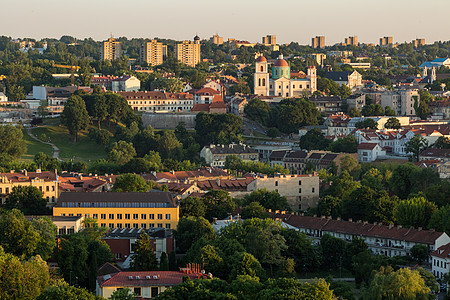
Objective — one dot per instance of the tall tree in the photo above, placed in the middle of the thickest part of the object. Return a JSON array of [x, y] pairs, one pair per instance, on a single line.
[[144, 258], [11, 141], [131, 183], [75, 116], [393, 123], [415, 212], [28, 199], [415, 146], [121, 152]]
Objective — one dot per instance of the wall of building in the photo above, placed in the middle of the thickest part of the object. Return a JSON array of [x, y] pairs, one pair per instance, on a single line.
[[168, 120]]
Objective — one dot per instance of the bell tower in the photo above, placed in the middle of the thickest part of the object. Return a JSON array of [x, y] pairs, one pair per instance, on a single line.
[[312, 76], [261, 77]]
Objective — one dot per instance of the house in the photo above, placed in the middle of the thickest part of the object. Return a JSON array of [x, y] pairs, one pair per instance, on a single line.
[[328, 105], [435, 153], [205, 95], [440, 261], [217, 106], [159, 101], [65, 225], [215, 155], [125, 83], [237, 105], [122, 242], [266, 150], [3, 97], [350, 79], [80, 183], [122, 210], [236, 187], [440, 108], [182, 190], [402, 101], [369, 152], [356, 101], [381, 239], [204, 173], [47, 182], [104, 82], [145, 284]]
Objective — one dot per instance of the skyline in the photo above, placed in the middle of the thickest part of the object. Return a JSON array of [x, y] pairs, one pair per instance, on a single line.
[[402, 19]]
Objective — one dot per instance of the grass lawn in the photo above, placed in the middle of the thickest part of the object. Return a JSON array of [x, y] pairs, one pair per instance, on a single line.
[[34, 147], [84, 150]]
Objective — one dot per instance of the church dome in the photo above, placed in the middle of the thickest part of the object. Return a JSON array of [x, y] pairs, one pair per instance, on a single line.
[[281, 63], [196, 38], [261, 59]]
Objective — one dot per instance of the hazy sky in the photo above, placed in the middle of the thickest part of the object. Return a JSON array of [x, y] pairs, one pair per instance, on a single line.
[[289, 20]]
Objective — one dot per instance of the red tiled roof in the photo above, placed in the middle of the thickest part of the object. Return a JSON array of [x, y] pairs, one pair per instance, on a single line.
[[164, 278], [367, 146], [200, 107], [28, 176], [442, 251], [360, 228], [207, 91]]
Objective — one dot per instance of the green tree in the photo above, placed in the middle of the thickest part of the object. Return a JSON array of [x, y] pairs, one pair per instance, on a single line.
[[169, 146], [440, 220], [42, 110], [121, 152], [163, 262], [388, 111], [253, 210], [100, 109], [270, 200], [27, 199], [415, 211], [190, 229], [346, 144], [123, 294], [258, 111], [420, 253], [273, 132], [393, 123], [333, 251], [144, 258], [367, 123], [172, 261], [349, 163], [314, 139], [401, 284], [75, 116], [354, 112], [218, 204], [192, 206], [306, 255], [47, 231], [442, 143], [415, 146], [246, 264], [11, 141], [63, 291], [131, 183]]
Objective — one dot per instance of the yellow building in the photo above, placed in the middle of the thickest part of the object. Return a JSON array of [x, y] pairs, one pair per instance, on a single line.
[[122, 210], [46, 182], [216, 39], [110, 49], [318, 42], [269, 40], [152, 53], [188, 52]]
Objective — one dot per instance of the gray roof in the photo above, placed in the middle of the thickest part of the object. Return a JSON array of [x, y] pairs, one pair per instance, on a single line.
[[338, 76], [232, 149], [135, 232]]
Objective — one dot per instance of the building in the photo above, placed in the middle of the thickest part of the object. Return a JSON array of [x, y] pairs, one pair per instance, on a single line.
[[105, 82], [437, 63], [215, 155], [318, 42], [351, 40], [46, 182], [110, 49], [440, 108], [350, 79], [327, 105], [217, 106], [152, 53], [237, 105], [435, 153], [386, 41], [418, 43], [319, 58], [216, 39], [145, 284], [205, 95], [440, 261], [369, 152], [155, 101], [281, 84], [301, 191], [122, 242], [357, 101], [122, 210], [269, 40], [381, 239], [188, 52], [3, 97], [125, 83], [401, 101], [64, 225]]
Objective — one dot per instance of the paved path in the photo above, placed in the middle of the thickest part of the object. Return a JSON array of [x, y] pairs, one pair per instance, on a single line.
[[55, 149]]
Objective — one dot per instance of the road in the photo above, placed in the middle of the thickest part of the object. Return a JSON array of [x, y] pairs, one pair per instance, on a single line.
[[55, 149]]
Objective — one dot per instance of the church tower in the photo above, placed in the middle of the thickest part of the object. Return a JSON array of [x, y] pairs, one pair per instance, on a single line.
[[312, 76], [261, 77]]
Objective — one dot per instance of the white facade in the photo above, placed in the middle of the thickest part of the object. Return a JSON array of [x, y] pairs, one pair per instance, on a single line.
[[126, 84], [3, 97], [401, 101], [369, 152], [440, 261]]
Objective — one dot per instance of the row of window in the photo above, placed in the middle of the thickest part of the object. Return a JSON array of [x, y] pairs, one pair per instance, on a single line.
[[136, 225], [159, 102], [47, 189], [126, 216], [117, 204], [439, 263]]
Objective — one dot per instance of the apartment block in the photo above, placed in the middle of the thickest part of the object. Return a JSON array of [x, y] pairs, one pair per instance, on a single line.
[[351, 40], [152, 53], [216, 39], [418, 43], [121, 210], [110, 49], [188, 52], [269, 40], [386, 41], [318, 42], [401, 101]]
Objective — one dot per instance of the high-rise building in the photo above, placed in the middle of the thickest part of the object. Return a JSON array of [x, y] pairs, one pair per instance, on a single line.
[[386, 41], [351, 40], [188, 52], [318, 42], [418, 42], [269, 40], [110, 49], [218, 40], [152, 53]]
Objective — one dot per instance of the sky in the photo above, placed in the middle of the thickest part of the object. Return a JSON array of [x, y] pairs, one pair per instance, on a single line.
[[289, 20]]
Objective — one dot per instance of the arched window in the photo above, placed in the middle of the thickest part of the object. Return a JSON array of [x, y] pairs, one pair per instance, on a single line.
[[264, 82], [262, 68], [259, 82]]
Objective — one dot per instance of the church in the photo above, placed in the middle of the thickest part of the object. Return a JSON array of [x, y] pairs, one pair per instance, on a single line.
[[281, 84]]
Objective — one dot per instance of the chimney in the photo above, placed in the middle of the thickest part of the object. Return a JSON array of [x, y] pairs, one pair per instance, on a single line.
[[12, 171], [277, 211], [283, 212]]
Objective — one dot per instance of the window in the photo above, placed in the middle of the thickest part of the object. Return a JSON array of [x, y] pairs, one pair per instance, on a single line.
[[111, 216], [63, 215], [299, 190], [103, 216], [118, 255], [154, 292], [143, 216], [262, 68], [127, 216], [119, 216], [47, 188], [151, 216], [135, 216], [95, 216], [259, 81], [160, 225], [111, 225], [127, 225], [137, 291], [143, 225], [264, 82], [167, 216], [103, 225], [53, 188], [313, 190], [167, 226], [299, 182], [135, 225], [151, 225], [159, 216], [276, 183]]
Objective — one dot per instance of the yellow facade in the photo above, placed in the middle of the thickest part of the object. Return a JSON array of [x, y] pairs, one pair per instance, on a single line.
[[49, 188], [188, 53], [152, 53], [125, 217], [110, 50]]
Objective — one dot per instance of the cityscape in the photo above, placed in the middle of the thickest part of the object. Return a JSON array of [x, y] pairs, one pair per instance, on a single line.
[[224, 166]]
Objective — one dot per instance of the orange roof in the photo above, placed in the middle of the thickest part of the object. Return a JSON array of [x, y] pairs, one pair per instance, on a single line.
[[281, 63], [261, 59]]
